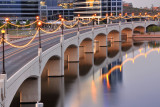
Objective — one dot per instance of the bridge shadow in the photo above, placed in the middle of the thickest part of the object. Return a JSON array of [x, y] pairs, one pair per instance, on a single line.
[[125, 46], [113, 49], [85, 64]]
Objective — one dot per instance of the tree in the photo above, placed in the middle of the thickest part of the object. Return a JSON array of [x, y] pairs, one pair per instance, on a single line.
[[27, 23], [17, 23], [154, 29], [9, 25], [1, 23]]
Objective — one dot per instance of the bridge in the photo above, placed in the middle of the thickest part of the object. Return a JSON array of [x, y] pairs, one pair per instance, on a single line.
[[25, 66]]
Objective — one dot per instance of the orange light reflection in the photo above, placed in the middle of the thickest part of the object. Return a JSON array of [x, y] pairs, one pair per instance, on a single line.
[[94, 91], [128, 59]]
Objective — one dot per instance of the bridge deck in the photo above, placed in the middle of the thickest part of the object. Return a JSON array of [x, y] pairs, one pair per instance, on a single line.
[[17, 58]]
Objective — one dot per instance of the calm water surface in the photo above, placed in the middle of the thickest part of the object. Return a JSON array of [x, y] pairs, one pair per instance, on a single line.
[[128, 77]]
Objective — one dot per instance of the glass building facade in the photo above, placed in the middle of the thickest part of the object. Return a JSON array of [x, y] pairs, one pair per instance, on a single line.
[[19, 9], [86, 8], [51, 3], [51, 9]]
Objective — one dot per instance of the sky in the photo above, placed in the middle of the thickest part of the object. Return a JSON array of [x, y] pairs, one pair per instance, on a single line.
[[144, 3]]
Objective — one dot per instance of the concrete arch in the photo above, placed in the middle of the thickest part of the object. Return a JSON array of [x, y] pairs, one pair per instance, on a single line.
[[139, 29], [53, 66], [125, 33], [114, 35], [29, 90], [84, 36], [152, 23], [71, 54], [101, 39], [111, 28], [86, 45]]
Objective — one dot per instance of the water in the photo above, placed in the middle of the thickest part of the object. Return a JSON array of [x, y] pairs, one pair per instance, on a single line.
[[128, 78]]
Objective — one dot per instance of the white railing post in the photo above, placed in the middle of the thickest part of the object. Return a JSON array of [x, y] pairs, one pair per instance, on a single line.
[[3, 90]]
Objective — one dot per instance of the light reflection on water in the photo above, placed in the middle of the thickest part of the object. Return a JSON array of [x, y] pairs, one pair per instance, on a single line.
[[124, 79]]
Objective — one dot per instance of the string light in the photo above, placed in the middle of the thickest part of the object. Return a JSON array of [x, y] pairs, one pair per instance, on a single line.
[[111, 17], [52, 31], [16, 46], [22, 25]]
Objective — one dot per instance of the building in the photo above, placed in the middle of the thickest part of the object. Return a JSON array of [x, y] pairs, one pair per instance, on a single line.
[[51, 9], [19, 9], [86, 8], [125, 4], [66, 4], [156, 8]]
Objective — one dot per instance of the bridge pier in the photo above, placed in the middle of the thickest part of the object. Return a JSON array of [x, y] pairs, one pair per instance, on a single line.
[[30, 92], [81, 52]]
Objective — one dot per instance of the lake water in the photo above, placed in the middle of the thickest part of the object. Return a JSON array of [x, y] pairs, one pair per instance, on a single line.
[[122, 75]]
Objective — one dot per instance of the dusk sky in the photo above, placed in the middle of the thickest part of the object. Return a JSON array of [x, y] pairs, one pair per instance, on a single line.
[[144, 3]]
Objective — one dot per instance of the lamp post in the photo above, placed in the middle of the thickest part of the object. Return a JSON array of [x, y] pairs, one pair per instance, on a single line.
[[62, 25], [39, 23], [145, 15], [78, 21], [94, 19], [37, 17], [158, 16], [140, 16], [111, 16], [132, 17], [3, 67], [126, 17], [120, 17], [106, 18], [7, 20]]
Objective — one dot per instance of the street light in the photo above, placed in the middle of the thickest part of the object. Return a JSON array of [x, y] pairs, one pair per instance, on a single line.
[[60, 16], [120, 16], [140, 16], [158, 16], [78, 21], [62, 25], [39, 23], [126, 16], [132, 16], [145, 15], [111, 16], [7, 20], [106, 18], [94, 18], [3, 67], [37, 17]]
